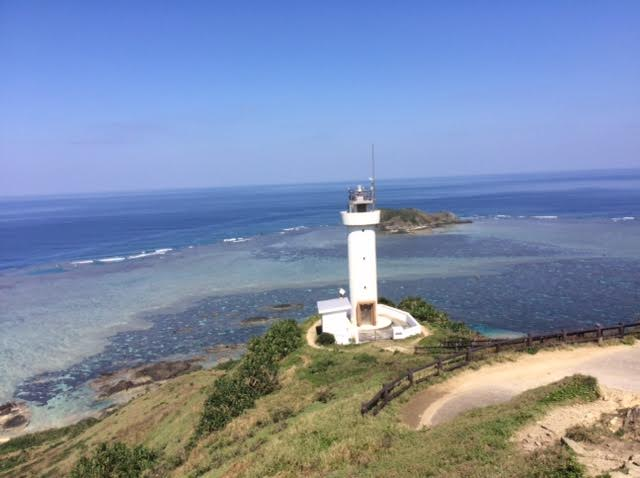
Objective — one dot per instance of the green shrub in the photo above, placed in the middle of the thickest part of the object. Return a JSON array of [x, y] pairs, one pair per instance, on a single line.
[[629, 340], [281, 339], [321, 365], [443, 329], [420, 309], [326, 338], [385, 301], [228, 399], [254, 376], [575, 388], [115, 461], [226, 364]]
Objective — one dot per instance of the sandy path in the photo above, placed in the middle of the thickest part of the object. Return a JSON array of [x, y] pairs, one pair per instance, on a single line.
[[616, 367], [312, 336]]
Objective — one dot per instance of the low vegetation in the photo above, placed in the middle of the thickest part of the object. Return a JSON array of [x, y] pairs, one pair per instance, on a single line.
[[289, 410], [325, 338], [31, 440], [442, 327], [115, 461], [256, 375]]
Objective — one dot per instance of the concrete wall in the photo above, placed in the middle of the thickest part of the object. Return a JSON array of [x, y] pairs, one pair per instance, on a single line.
[[404, 325], [338, 324]]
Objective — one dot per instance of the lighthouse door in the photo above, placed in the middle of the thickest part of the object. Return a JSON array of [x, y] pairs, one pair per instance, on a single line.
[[366, 313]]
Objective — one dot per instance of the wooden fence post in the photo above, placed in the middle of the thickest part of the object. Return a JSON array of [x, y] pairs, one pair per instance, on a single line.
[[439, 367], [621, 329], [600, 334], [529, 339], [363, 409], [564, 335], [385, 394], [498, 348], [468, 355], [410, 377]]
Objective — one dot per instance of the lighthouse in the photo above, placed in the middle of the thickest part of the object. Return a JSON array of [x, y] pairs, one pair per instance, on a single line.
[[361, 220], [359, 318]]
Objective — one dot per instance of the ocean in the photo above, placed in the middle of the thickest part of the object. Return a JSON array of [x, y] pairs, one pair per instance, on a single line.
[[94, 283]]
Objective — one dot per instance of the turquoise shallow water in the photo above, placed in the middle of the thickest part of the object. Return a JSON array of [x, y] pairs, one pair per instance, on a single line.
[[65, 323]]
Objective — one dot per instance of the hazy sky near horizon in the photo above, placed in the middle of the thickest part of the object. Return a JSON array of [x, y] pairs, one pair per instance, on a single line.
[[117, 95]]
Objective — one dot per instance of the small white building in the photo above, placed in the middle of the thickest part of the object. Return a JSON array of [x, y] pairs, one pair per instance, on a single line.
[[335, 318], [360, 318]]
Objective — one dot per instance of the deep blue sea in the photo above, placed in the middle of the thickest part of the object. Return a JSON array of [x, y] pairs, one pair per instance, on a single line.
[[51, 230], [93, 283]]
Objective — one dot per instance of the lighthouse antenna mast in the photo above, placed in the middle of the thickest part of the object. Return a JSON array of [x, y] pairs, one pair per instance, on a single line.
[[373, 176]]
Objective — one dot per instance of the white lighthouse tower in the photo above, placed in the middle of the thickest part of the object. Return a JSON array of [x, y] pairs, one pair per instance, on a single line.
[[361, 220], [360, 318]]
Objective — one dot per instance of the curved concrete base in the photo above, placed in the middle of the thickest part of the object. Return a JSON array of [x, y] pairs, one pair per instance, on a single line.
[[381, 323]]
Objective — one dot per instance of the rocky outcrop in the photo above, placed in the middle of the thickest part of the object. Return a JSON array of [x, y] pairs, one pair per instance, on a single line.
[[257, 320], [403, 221], [284, 307], [132, 380], [14, 416], [166, 370], [631, 423]]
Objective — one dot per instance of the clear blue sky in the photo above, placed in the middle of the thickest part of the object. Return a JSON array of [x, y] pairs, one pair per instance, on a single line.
[[117, 95]]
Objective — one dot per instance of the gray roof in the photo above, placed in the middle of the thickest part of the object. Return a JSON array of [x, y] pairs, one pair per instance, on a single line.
[[341, 304]]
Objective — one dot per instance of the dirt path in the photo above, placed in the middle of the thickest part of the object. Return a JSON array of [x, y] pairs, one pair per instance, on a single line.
[[312, 336], [616, 367]]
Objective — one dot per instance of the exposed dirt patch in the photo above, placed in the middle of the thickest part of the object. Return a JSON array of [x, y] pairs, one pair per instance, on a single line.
[[312, 335], [554, 425], [604, 435]]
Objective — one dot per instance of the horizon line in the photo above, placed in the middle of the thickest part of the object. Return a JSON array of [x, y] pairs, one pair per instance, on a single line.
[[295, 183]]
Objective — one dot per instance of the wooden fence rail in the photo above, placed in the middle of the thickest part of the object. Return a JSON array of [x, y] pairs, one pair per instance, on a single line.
[[391, 390]]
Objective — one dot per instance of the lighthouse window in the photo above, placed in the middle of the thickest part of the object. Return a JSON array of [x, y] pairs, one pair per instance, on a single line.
[[363, 258], [363, 230]]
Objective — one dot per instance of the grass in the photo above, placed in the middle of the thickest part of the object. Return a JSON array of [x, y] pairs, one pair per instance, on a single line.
[[332, 440], [628, 340], [310, 426], [31, 440]]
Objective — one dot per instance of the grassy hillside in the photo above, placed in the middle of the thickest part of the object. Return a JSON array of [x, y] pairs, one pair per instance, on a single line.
[[163, 419], [309, 425]]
